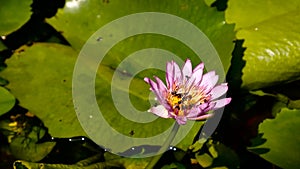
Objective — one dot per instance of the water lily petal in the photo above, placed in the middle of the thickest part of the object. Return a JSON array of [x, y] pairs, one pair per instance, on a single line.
[[147, 79], [195, 78], [194, 112], [210, 106], [177, 73], [221, 103], [161, 86], [199, 66], [203, 117], [153, 85], [209, 80], [161, 111], [162, 90], [219, 91], [170, 75], [154, 88], [181, 120], [203, 106], [187, 69]]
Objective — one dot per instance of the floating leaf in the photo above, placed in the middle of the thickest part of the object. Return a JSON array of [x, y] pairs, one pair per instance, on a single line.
[[80, 19], [218, 155], [30, 151], [47, 70], [209, 2], [20, 164], [40, 77], [272, 39], [174, 165], [13, 14], [282, 139], [26, 147], [205, 160], [7, 100], [241, 13]]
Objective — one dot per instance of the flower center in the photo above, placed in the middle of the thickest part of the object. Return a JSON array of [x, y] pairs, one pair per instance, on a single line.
[[181, 102], [175, 100]]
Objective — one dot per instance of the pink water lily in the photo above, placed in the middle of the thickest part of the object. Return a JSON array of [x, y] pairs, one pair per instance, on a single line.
[[189, 94]]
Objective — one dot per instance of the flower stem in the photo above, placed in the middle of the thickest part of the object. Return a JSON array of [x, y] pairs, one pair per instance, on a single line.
[[164, 147]]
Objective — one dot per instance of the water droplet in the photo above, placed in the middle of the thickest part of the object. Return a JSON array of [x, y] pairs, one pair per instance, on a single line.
[[3, 37], [99, 39], [91, 116]]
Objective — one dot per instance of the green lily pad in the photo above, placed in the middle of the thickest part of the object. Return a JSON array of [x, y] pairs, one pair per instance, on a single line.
[[27, 148], [271, 34], [13, 14], [205, 160], [2, 47], [243, 15], [32, 151], [7, 100], [80, 19], [209, 2], [47, 70], [218, 155], [282, 139], [41, 79]]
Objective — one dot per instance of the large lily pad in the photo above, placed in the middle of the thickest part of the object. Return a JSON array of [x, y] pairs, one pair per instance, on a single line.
[[282, 139], [40, 77], [13, 14], [243, 15], [47, 69], [272, 39], [80, 19], [28, 148], [44, 71], [7, 100]]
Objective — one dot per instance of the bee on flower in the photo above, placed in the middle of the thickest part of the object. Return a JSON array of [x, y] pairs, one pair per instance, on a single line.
[[189, 94]]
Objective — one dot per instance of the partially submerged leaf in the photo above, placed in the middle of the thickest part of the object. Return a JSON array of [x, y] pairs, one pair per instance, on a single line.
[[205, 160], [215, 155], [13, 14], [243, 15], [40, 77], [209, 2], [25, 149], [272, 40], [282, 139], [26, 146], [7, 100]]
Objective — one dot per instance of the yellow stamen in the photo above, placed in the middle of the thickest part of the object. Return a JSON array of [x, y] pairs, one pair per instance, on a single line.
[[185, 101]]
